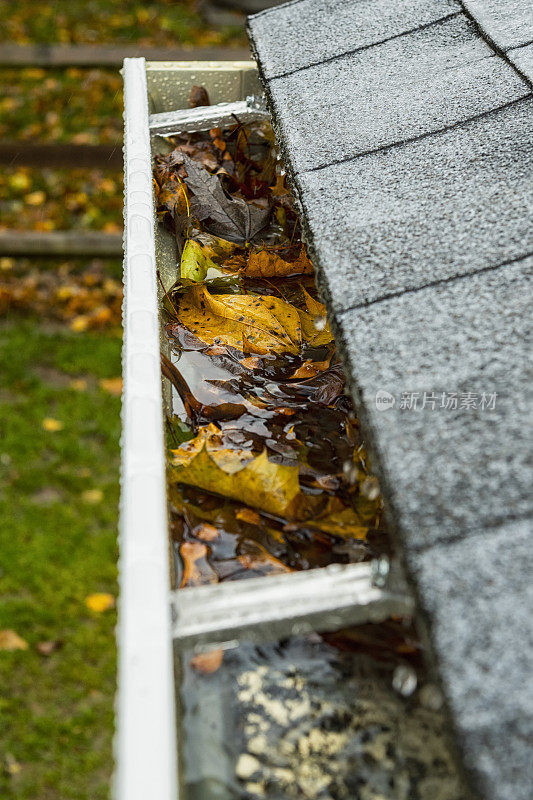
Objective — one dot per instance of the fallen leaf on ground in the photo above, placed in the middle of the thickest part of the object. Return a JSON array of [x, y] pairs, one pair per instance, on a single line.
[[207, 663], [47, 648], [52, 425], [78, 384], [35, 198], [112, 385], [99, 602], [80, 323], [92, 496], [12, 765], [237, 474], [9, 640]]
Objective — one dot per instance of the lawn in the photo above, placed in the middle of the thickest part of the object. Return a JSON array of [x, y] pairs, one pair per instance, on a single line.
[[149, 22], [58, 505]]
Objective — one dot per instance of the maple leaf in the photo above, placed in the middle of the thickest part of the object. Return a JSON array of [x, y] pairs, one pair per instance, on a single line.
[[228, 217], [251, 324], [237, 474]]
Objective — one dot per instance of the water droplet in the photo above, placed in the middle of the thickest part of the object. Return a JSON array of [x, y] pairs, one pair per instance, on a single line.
[[404, 680], [370, 488], [350, 471], [320, 323]]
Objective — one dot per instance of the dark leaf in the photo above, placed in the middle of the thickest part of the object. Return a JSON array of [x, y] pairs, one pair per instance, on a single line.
[[228, 217], [199, 97]]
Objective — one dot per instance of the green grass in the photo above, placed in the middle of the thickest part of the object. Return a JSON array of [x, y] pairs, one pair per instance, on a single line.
[[56, 712], [150, 22], [82, 106]]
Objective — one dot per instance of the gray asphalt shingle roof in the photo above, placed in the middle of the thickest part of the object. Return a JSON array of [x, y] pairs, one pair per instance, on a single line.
[[406, 130]]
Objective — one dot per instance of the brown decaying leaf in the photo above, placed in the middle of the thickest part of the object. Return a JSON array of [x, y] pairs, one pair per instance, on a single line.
[[248, 515], [268, 264], [199, 97], [196, 568]]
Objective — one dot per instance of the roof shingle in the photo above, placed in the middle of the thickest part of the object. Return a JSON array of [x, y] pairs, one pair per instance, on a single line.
[[408, 139]]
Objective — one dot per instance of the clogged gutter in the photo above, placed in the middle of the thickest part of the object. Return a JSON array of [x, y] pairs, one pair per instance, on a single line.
[[268, 473], [267, 469]]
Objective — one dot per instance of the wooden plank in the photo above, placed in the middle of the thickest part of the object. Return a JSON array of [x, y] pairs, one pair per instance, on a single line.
[[30, 154], [60, 243], [88, 55]]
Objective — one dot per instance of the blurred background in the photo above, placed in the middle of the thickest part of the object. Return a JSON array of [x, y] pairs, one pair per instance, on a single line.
[[60, 385]]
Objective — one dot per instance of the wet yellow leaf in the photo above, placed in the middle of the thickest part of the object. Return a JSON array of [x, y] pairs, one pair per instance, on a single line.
[[112, 385], [99, 602], [237, 474], [267, 264], [249, 516], [340, 520], [310, 369], [315, 326], [92, 496], [9, 640], [52, 425], [195, 262], [249, 323]]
